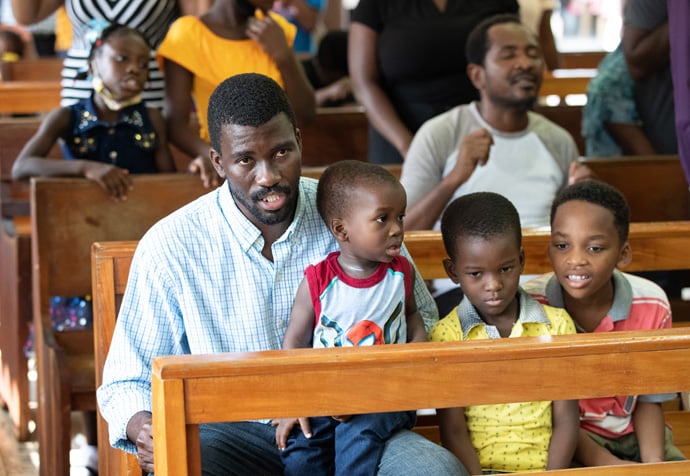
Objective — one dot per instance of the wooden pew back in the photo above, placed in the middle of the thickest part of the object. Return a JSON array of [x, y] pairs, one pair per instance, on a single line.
[[39, 69], [67, 215], [655, 246], [338, 133], [654, 186], [29, 97], [193, 389]]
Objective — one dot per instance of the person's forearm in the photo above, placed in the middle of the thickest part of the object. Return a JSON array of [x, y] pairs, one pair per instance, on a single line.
[[383, 116], [28, 12], [40, 167], [566, 426], [426, 212], [182, 136], [306, 16], [645, 52], [649, 429], [298, 89]]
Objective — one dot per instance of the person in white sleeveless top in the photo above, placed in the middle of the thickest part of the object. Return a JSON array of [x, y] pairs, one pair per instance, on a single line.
[[151, 17]]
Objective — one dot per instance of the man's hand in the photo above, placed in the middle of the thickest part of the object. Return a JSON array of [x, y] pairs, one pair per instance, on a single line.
[[284, 427], [473, 151], [579, 172], [202, 166], [140, 431], [114, 180]]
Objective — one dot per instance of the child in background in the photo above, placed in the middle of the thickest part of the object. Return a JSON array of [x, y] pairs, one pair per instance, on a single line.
[[198, 53], [110, 134], [360, 295], [483, 239], [327, 71], [589, 241]]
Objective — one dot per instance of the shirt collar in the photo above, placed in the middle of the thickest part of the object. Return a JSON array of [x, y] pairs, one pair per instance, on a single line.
[[622, 296], [88, 118], [247, 234], [530, 312]]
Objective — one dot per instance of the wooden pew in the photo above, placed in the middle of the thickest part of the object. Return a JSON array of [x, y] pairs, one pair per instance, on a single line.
[[67, 215], [563, 82], [39, 69], [581, 59], [193, 389], [569, 118], [29, 97], [655, 246], [338, 133], [654, 185]]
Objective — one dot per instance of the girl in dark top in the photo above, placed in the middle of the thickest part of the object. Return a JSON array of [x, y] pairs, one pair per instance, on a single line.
[[407, 64], [111, 133]]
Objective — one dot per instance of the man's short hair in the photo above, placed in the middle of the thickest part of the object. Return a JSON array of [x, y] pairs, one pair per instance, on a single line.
[[477, 44], [479, 215], [598, 193], [249, 99], [340, 182]]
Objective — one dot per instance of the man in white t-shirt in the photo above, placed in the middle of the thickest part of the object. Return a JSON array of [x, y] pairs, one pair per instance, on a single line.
[[496, 144]]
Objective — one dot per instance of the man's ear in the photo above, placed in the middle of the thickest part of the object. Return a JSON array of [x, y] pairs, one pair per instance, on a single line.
[[338, 229], [298, 137], [476, 74], [215, 160], [522, 259], [450, 270], [625, 256]]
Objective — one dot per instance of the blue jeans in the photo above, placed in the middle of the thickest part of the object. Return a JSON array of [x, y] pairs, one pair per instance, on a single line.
[[352, 448], [249, 449]]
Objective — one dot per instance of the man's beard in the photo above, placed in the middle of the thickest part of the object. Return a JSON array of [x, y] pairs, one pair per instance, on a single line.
[[262, 216]]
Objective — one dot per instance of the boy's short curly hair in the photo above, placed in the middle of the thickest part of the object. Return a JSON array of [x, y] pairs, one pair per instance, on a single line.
[[477, 44], [479, 215], [598, 193], [341, 181], [248, 99]]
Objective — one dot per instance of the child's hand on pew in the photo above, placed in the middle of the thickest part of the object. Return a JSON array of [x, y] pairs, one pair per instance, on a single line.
[[284, 427], [114, 180], [203, 166]]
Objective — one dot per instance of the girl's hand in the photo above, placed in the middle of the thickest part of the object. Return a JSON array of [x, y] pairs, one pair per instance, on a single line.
[[203, 166], [271, 37], [114, 180], [284, 427]]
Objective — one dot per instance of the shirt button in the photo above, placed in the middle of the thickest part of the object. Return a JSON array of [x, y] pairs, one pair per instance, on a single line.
[[113, 154], [281, 323], [111, 131]]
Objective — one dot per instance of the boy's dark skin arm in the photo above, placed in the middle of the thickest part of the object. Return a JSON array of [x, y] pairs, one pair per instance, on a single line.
[[566, 426], [32, 159], [455, 437], [648, 418], [413, 319], [631, 138]]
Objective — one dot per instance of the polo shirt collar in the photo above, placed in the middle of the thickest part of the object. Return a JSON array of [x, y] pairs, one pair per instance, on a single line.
[[530, 312], [622, 296]]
